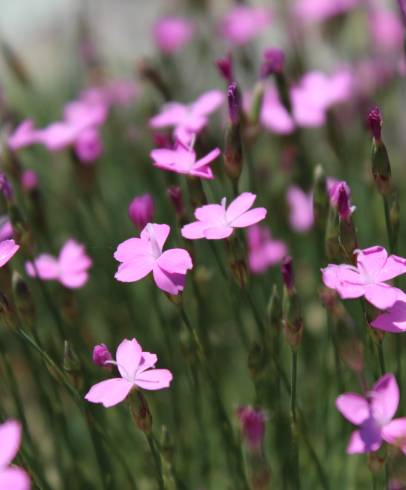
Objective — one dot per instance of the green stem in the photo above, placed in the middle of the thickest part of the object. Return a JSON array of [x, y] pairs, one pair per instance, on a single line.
[[157, 460], [388, 224]]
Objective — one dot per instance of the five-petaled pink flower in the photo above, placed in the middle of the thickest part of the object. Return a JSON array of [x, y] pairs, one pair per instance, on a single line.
[[70, 268], [373, 414], [374, 267], [188, 119], [11, 477], [140, 256], [136, 368], [182, 160], [216, 221], [7, 250], [263, 250]]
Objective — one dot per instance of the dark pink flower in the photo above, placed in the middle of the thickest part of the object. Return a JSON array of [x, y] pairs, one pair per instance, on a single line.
[[141, 210], [101, 354], [252, 424]]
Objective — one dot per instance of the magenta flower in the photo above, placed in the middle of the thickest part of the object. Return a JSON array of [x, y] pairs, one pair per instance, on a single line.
[[70, 268], [373, 414], [367, 279], [263, 251], [340, 197], [8, 248], [171, 34], [11, 477], [216, 221], [88, 145], [141, 210], [252, 426], [320, 10], [101, 355], [243, 23], [394, 319], [182, 160], [137, 370], [140, 256], [387, 31], [188, 120], [301, 217]]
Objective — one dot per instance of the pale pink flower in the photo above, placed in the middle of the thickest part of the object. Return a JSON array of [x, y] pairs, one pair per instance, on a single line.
[[141, 210], [70, 268], [188, 120], [140, 256], [8, 248], [115, 92], [394, 319], [367, 279], [373, 414], [263, 250], [320, 10], [218, 221], [386, 30], [171, 34], [301, 216], [11, 477], [29, 180], [182, 160], [243, 23], [252, 426], [25, 134], [137, 370]]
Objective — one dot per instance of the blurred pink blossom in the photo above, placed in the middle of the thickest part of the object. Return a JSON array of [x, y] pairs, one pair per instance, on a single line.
[[188, 120], [386, 30], [88, 145], [114, 92], [320, 10], [182, 160], [218, 221], [374, 267], [243, 23], [263, 250], [137, 370], [252, 424], [301, 217], [11, 477], [25, 134], [171, 34], [8, 248], [373, 413], [140, 256], [29, 180], [70, 268], [141, 210]]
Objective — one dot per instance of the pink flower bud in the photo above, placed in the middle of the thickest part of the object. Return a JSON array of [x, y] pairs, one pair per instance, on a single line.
[[101, 354], [88, 146], [287, 272], [225, 68], [274, 62], [252, 424], [5, 187], [234, 102], [29, 180], [375, 122], [176, 197], [343, 203], [141, 210], [402, 10]]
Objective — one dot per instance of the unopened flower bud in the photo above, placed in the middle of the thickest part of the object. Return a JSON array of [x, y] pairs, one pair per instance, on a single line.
[[320, 199], [141, 210], [225, 68], [29, 180], [252, 423], [234, 103], [101, 354], [5, 187], [176, 197], [287, 273], [343, 203], [274, 62], [375, 122], [140, 411]]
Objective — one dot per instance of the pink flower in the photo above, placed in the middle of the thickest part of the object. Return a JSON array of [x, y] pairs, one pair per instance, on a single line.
[[140, 256], [137, 370], [141, 210], [263, 251], [101, 355], [301, 217], [386, 30], [340, 197], [188, 120], [216, 221], [243, 23], [394, 319], [115, 92], [11, 477], [29, 180], [320, 10], [24, 135], [171, 34], [367, 279], [373, 414], [70, 268], [6, 228], [252, 426], [88, 145], [182, 160], [8, 248]]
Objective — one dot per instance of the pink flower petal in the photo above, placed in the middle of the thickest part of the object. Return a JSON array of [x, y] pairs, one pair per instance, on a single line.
[[148, 360], [393, 267], [160, 233], [10, 440], [381, 295], [73, 257], [394, 320], [194, 231], [211, 213], [384, 398], [8, 248], [240, 205], [218, 233], [14, 479], [132, 248], [208, 102], [74, 280], [372, 259], [109, 392], [170, 115], [207, 159], [171, 283], [175, 260], [395, 433], [355, 445], [353, 407], [128, 357], [135, 269], [154, 379], [249, 218], [46, 266]]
